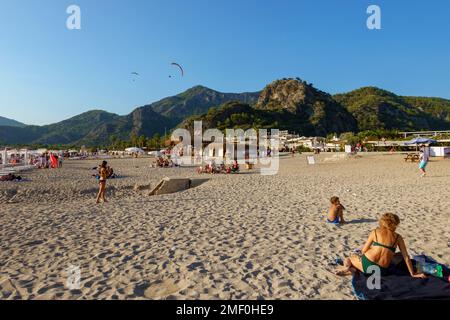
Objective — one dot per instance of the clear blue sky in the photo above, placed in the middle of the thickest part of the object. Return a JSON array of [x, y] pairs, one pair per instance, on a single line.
[[49, 73]]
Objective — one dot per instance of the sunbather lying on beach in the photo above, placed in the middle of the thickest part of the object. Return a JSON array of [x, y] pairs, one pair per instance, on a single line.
[[336, 212], [379, 250], [10, 177]]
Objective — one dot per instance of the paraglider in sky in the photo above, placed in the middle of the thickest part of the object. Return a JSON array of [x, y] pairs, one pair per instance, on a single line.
[[180, 67], [135, 75]]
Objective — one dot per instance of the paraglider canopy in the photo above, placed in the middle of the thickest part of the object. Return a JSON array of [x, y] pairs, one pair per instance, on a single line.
[[180, 67], [135, 75]]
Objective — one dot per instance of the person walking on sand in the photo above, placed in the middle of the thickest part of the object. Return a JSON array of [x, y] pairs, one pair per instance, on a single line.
[[423, 161], [103, 174], [379, 250]]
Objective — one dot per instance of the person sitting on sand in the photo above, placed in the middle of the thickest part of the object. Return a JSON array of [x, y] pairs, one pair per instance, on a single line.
[[213, 166], [102, 182], [336, 212], [110, 173], [235, 167], [168, 163], [159, 162], [380, 249]]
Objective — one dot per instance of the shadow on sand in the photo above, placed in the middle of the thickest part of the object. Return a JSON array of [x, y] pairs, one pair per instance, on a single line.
[[356, 221], [195, 182]]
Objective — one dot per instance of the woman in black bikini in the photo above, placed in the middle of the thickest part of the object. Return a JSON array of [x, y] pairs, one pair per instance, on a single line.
[[103, 173], [380, 249]]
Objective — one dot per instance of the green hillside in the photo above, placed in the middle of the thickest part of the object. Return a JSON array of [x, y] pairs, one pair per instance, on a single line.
[[374, 108]]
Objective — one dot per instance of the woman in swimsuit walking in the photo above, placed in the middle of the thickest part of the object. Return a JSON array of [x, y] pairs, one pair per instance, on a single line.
[[103, 173], [380, 249]]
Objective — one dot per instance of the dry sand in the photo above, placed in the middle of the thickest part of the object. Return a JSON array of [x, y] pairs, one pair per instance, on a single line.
[[242, 236]]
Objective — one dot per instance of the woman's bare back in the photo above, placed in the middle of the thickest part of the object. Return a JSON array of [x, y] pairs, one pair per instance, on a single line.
[[379, 254]]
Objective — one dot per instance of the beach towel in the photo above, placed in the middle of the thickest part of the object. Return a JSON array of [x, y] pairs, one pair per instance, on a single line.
[[399, 285]]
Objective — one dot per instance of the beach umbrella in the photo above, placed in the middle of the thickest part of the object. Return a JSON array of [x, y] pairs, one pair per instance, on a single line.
[[420, 140]]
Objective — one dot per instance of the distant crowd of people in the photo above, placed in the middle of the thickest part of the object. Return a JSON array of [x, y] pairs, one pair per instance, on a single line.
[[163, 162], [47, 161], [212, 168]]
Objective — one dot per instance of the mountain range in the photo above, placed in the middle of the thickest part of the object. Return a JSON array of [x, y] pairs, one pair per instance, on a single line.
[[287, 104], [9, 122]]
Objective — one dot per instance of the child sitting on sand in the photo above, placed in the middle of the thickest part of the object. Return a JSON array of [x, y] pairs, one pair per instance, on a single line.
[[336, 212]]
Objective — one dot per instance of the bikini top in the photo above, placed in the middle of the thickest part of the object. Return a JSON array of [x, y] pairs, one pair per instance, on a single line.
[[377, 244]]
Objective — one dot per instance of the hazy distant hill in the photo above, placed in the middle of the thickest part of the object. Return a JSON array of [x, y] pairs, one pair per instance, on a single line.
[[10, 122], [96, 127], [90, 128], [67, 131]]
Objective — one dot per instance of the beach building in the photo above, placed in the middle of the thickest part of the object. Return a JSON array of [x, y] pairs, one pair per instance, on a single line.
[[307, 142]]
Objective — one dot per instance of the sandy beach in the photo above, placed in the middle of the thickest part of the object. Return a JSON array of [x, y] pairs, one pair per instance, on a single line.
[[241, 236]]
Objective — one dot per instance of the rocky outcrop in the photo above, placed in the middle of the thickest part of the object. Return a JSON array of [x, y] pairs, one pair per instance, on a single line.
[[314, 110]]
